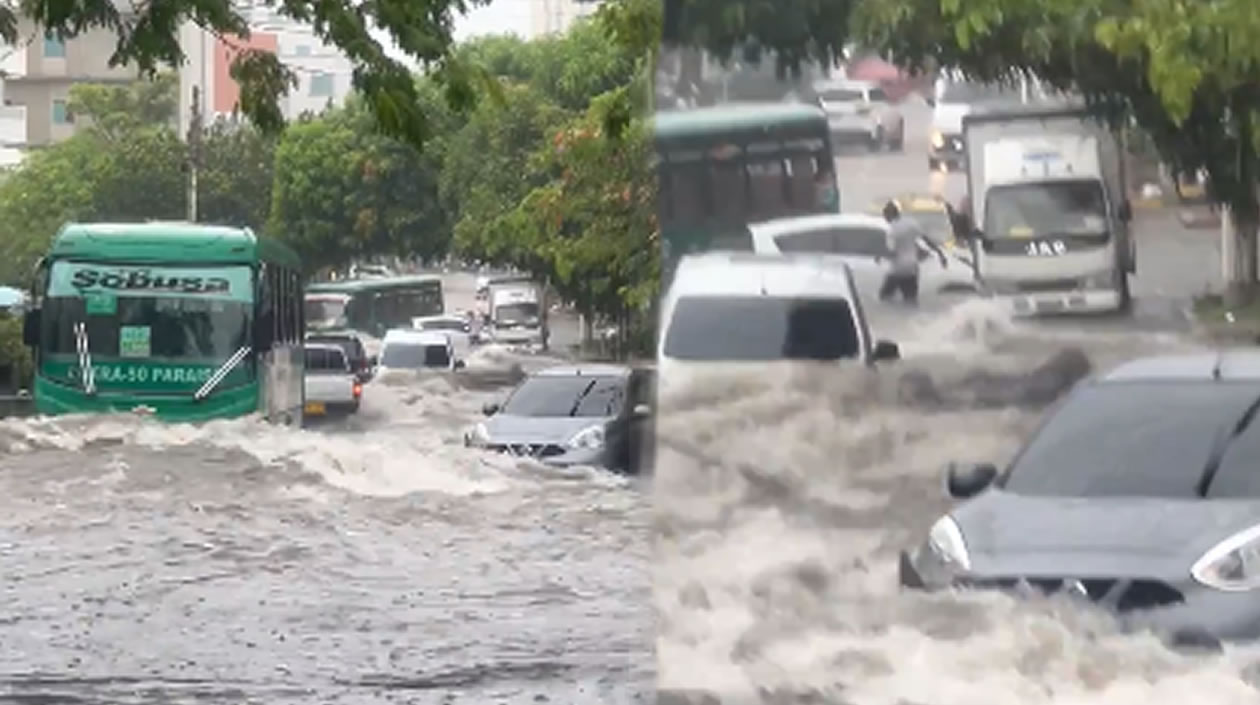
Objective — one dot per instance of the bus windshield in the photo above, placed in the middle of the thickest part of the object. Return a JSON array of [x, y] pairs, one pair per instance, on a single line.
[[149, 314]]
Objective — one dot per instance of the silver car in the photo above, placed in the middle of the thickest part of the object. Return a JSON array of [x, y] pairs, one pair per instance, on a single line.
[[589, 414], [1141, 494]]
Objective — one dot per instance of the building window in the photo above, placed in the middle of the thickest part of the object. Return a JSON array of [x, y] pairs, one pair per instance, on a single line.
[[60, 113], [321, 85], [304, 50], [54, 46]]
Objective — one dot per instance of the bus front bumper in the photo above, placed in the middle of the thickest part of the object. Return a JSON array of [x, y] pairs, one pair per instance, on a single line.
[[54, 399]]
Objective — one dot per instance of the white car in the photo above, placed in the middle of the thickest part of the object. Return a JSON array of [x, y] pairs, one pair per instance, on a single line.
[[330, 386], [862, 242], [457, 328], [739, 308], [858, 111], [415, 351]]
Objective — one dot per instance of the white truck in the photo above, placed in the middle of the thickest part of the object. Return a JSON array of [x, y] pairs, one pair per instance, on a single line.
[[1049, 210], [331, 387], [516, 314]]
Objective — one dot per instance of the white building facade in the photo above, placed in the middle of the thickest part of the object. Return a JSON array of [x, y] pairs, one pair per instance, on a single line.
[[556, 16]]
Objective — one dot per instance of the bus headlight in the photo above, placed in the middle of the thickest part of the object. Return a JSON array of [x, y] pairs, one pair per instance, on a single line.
[[938, 139], [588, 439]]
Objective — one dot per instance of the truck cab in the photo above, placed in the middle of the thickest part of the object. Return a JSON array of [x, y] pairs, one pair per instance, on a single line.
[[1049, 214], [515, 315]]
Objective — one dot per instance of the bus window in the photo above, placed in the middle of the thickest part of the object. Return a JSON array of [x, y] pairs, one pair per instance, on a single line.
[[684, 198], [729, 190], [768, 192]]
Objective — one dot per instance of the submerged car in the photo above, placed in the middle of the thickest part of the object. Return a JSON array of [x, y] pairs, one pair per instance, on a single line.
[[570, 415], [1140, 494]]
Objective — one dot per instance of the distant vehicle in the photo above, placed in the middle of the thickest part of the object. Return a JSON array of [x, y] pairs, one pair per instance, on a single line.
[[515, 315], [371, 271], [955, 97], [331, 387], [1049, 210], [415, 351], [754, 309], [859, 111], [183, 321], [724, 167], [457, 328], [593, 414], [1138, 494], [861, 241], [352, 345], [372, 306], [483, 286]]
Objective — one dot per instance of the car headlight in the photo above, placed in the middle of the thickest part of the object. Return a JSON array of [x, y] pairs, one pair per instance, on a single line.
[[947, 545], [938, 139], [1232, 565], [588, 438], [477, 436]]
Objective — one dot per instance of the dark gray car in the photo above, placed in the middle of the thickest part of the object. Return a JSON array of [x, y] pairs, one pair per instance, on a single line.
[[575, 415], [1140, 493]]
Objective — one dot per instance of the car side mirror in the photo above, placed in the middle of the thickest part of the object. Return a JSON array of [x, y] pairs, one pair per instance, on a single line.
[[885, 351], [460, 364], [967, 482], [641, 411], [30, 328], [489, 409], [1125, 211]]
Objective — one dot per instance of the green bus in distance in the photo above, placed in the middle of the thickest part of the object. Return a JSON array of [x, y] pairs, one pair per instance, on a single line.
[[721, 168], [373, 306], [183, 321]]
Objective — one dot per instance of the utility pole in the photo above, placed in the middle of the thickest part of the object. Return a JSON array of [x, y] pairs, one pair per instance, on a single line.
[[194, 152]]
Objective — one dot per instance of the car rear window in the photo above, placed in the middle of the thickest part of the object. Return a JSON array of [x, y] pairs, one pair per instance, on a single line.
[[326, 360], [414, 356], [761, 328], [1135, 440]]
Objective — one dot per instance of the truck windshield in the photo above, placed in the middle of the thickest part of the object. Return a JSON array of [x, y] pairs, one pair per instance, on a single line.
[[149, 312], [516, 313], [1057, 208]]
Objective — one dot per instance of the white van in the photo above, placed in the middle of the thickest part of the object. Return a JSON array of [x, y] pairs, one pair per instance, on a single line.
[[736, 307], [415, 351]]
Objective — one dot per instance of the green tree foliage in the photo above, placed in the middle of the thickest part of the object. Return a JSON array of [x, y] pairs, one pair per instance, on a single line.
[[1184, 71], [793, 32], [343, 191], [421, 29], [234, 184]]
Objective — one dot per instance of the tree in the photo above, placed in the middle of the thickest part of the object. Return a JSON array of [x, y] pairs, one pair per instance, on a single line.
[[234, 184], [342, 191], [1184, 71], [421, 29]]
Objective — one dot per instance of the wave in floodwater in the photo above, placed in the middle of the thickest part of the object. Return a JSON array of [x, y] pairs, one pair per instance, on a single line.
[[782, 498], [363, 561]]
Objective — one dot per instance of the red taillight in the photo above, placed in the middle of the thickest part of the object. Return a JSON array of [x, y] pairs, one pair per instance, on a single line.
[[358, 390]]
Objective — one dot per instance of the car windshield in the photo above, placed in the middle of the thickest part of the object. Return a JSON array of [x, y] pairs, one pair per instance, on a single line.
[[970, 92], [525, 312], [546, 395], [325, 311], [326, 359], [1045, 209], [840, 95], [845, 240], [761, 328], [1133, 440], [444, 324], [414, 356], [171, 313]]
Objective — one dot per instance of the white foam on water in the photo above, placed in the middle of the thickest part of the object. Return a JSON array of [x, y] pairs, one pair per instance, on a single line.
[[784, 492]]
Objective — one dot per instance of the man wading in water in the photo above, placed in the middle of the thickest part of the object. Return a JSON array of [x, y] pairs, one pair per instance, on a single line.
[[905, 241]]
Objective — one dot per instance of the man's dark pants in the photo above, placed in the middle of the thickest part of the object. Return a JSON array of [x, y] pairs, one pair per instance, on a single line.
[[904, 283]]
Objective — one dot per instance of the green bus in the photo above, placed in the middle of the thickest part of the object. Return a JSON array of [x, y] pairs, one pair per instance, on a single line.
[[723, 167], [373, 306], [183, 321]]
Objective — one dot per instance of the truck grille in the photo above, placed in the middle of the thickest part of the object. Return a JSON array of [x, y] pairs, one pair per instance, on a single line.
[[1049, 286], [528, 450], [1120, 595]]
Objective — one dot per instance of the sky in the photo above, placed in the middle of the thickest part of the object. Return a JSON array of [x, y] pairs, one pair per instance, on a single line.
[[499, 17]]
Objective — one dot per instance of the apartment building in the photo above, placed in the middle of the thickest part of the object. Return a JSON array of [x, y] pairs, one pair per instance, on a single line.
[[324, 73], [40, 72]]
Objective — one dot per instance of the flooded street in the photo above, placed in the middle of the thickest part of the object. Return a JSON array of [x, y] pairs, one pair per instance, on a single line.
[[373, 561], [784, 493]]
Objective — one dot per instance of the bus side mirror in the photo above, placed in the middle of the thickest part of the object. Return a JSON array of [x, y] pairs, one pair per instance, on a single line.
[[30, 328]]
